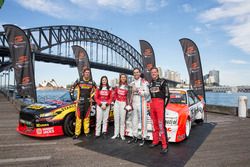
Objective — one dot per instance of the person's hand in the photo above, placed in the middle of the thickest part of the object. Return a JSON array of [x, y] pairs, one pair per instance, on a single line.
[[134, 89], [104, 107], [140, 92]]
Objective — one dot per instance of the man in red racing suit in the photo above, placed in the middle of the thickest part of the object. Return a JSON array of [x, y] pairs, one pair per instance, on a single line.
[[159, 92]]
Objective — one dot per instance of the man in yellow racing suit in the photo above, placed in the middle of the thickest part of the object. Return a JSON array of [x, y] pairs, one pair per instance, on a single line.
[[85, 91]]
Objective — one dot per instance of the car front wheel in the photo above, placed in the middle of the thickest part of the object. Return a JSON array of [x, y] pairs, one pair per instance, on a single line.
[[69, 124]]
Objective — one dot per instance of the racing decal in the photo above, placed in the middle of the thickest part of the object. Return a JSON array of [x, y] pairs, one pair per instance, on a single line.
[[62, 112], [41, 125], [181, 137], [28, 123], [45, 130], [93, 110], [37, 106], [39, 131], [68, 107]]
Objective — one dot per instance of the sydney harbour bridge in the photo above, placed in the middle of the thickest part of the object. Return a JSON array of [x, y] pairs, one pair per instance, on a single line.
[[53, 44]]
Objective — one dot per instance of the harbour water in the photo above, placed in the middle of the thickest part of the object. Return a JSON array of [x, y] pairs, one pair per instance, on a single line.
[[224, 99]]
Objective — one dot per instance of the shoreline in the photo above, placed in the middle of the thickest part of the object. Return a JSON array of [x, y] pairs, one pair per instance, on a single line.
[[49, 88]]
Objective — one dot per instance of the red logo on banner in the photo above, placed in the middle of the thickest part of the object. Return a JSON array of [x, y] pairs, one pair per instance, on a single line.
[[18, 39], [25, 80], [147, 52], [197, 83], [190, 50], [22, 59], [194, 65]]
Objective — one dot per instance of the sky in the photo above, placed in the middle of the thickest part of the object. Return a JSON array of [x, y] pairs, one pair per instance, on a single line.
[[220, 28]]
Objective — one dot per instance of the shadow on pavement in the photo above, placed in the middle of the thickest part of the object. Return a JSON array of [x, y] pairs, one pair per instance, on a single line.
[[178, 154]]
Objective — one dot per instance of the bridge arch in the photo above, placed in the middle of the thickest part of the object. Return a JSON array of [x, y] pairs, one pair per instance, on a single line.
[[45, 38]]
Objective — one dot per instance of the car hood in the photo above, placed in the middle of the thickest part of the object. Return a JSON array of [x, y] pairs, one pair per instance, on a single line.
[[177, 107], [40, 108]]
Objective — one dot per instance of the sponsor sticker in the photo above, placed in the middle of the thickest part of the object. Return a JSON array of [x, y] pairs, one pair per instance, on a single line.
[[171, 121], [147, 52], [39, 131], [48, 130], [41, 125]]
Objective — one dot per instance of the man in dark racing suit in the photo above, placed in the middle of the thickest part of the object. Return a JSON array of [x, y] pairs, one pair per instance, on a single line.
[[85, 91], [159, 92]]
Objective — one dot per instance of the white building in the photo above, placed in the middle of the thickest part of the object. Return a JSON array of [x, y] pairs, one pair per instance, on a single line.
[[172, 75]]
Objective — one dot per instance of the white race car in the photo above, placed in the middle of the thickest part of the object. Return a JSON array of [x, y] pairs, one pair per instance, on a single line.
[[184, 108]]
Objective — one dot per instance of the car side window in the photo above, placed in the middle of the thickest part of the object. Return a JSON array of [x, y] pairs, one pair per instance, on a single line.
[[196, 100], [191, 100]]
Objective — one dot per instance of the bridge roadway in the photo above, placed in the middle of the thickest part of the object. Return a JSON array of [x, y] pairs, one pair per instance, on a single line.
[[223, 141]]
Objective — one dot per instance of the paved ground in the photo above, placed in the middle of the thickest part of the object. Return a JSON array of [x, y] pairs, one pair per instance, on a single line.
[[223, 141]]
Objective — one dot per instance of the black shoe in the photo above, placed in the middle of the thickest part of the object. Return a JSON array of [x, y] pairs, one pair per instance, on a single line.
[[153, 145], [104, 135], [142, 143], [134, 139], [164, 150], [75, 137]]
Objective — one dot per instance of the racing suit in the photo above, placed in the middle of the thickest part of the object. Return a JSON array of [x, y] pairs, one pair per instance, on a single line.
[[159, 99], [139, 102], [85, 89], [120, 97], [103, 96]]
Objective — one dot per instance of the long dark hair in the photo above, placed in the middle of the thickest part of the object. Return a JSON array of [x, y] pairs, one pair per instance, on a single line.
[[120, 79], [100, 87]]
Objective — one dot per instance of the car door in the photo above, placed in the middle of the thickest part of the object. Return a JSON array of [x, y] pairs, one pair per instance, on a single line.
[[192, 104]]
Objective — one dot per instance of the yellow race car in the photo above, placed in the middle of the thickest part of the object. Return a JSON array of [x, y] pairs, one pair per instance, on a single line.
[[52, 118]]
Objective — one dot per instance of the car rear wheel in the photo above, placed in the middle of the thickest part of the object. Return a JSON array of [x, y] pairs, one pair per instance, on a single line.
[[69, 124], [188, 127]]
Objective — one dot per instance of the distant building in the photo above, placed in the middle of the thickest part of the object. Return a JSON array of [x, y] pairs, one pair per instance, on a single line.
[[213, 78], [114, 82], [160, 72], [172, 75]]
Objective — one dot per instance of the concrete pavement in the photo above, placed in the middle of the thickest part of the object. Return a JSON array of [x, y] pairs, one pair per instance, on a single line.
[[223, 141]]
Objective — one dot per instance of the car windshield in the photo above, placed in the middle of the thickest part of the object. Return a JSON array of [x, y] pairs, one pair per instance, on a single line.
[[65, 97], [178, 98]]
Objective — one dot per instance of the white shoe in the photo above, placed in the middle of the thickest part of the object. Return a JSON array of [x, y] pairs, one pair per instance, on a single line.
[[114, 137], [123, 138]]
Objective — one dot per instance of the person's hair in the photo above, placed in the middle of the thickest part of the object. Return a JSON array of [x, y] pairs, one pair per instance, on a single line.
[[122, 74], [100, 87], [85, 69], [136, 68], [155, 69]]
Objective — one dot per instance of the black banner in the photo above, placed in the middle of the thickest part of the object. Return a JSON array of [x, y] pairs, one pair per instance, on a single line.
[[193, 62], [148, 59], [82, 59], [20, 52]]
